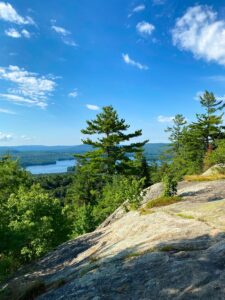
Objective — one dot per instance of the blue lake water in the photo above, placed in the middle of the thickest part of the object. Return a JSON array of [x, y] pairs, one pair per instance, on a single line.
[[59, 167]]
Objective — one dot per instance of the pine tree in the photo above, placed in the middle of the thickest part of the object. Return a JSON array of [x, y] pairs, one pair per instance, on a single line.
[[176, 132], [209, 124], [110, 154]]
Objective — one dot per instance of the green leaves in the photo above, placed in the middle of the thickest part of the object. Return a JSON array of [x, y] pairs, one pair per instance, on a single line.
[[36, 222], [191, 143], [32, 222]]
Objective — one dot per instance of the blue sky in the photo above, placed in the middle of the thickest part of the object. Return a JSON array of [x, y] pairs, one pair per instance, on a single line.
[[61, 61]]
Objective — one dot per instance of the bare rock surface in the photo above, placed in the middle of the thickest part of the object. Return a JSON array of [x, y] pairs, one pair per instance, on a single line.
[[214, 170], [174, 252]]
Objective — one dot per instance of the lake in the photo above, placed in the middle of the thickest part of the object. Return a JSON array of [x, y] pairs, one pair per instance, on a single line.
[[59, 167]]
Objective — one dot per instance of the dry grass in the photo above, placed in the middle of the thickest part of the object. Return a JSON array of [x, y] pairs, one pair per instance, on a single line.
[[162, 201], [158, 202], [204, 178]]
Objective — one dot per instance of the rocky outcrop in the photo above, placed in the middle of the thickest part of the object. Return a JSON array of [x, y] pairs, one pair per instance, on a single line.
[[215, 170], [171, 252]]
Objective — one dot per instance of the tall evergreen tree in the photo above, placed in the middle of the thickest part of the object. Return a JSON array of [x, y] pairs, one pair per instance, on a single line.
[[110, 154], [176, 132], [209, 124]]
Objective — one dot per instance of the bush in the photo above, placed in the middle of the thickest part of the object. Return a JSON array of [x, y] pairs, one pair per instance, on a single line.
[[217, 156], [115, 193], [81, 219], [170, 185], [37, 223]]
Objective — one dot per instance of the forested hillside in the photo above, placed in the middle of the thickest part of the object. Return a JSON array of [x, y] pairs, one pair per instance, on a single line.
[[43, 155]]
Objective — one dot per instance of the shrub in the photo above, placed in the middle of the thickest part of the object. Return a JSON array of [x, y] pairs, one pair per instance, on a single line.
[[170, 185], [217, 156], [116, 192], [37, 223]]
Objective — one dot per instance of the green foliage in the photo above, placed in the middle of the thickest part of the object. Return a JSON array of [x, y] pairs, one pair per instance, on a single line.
[[192, 143], [217, 156], [36, 222], [116, 192], [32, 221], [163, 201], [209, 123], [170, 185], [8, 264], [176, 133], [82, 219], [87, 184], [107, 176], [55, 184], [111, 154]]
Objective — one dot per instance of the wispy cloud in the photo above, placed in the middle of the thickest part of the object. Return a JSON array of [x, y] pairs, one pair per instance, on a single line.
[[65, 35], [23, 101], [24, 137], [92, 107], [5, 137], [145, 28], [200, 31], [73, 94], [28, 88], [9, 14], [131, 62], [13, 33], [26, 33], [60, 30], [138, 8], [165, 119], [7, 111]]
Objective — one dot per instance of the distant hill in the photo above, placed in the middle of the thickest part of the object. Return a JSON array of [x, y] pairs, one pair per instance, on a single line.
[[42, 155], [28, 148]]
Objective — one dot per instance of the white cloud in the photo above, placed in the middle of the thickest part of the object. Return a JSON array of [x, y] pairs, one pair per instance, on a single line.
[[145, 28], [7, 111], [22, 100], [60, 30], [12, 32], [73, 94], [9, 14], [131, 62], [5, 137], [200, 32], [139, 8], [164, 119], [69, 41], [92, 107], [65, 35], [26, 33], [28, 88], [25, 137]]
